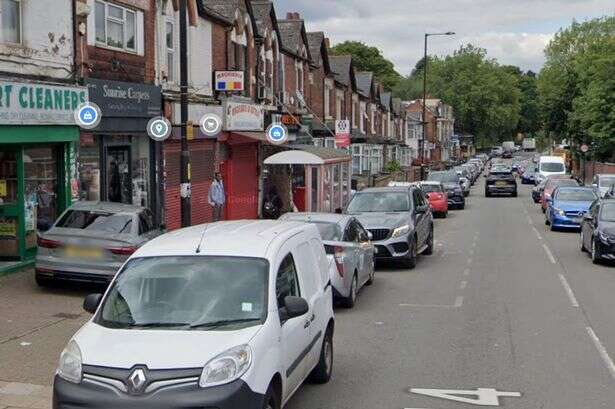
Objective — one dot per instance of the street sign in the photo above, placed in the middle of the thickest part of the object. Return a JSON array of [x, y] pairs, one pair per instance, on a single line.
[[584, 148], [342, 133], [88, 115], [484, 396], [277, 134], [159, 128], [211, 124]]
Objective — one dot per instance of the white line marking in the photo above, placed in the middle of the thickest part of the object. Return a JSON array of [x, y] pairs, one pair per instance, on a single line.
[[484, 396], [458, 301], [537, 233], [463, 285], [549, 254], [568, 289], [427, 305], [466, 272], [602, 351], [530, 221]]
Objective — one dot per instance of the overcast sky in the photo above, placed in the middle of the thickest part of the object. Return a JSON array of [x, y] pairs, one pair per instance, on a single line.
[[513, 31]]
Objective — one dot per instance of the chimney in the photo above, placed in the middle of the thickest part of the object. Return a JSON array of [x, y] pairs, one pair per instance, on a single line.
[[293, 16]]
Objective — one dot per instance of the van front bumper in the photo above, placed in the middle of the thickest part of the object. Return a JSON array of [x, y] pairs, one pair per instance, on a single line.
[[237, 394]]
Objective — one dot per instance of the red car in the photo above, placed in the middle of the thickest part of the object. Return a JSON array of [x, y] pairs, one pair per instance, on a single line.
[[553, 182], [438, 200]]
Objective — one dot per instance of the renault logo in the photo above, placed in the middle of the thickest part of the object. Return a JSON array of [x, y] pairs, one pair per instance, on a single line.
[[136, 381]]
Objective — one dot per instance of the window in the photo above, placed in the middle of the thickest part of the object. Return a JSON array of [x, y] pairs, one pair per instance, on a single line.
[[354, 114], [286, 283], [338, 107], [10, 21], [170, 40], [362, 118], [373, 120], [327, 101], [299, 75], [146, 222], [115, 26]]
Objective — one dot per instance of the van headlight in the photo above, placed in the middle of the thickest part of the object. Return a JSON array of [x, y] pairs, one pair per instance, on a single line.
[[70, 363], [226, 367], [400, 231]]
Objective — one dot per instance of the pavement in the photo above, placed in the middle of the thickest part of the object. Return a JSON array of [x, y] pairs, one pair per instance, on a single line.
[[504, 314]]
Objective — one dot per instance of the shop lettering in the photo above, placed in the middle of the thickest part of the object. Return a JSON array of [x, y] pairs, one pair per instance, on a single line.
[[125, 93], [41, 98]]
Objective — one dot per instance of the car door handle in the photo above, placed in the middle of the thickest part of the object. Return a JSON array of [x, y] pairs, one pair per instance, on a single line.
[[312, 318], [307, 324]]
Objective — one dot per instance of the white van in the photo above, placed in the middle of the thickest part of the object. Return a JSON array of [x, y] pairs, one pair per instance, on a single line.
[[550, 165], [228, 315]]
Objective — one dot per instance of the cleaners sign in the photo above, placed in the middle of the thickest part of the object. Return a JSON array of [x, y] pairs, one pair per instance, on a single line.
[[24, 103]]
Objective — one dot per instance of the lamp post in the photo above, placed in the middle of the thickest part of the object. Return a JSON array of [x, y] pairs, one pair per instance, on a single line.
[[422, 144], [186, 208]]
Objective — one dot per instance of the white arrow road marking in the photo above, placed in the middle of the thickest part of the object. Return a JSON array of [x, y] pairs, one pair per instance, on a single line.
[[484, 396]]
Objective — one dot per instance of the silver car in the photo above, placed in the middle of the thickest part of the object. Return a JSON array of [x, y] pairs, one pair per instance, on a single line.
[[348, 247], [91, 240]]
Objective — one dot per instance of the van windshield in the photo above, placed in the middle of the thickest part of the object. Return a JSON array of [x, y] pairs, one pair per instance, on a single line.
[[187, 293], [552, 167]]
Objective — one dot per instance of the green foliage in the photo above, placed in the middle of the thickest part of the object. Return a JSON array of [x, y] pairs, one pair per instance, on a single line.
[[393, 166], [366, 58]]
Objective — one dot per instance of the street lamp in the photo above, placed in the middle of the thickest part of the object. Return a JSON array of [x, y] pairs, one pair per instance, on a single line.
[[422, 144]]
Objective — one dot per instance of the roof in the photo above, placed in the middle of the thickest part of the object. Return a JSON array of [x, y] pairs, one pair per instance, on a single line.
[[107, 207], [308, 155], [340, 65], [222, 9], [385, 100], [292, 34], [262, 11], [364, 82], [241, 238], [315, 41]]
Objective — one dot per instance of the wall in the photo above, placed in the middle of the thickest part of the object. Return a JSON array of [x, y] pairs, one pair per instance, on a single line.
[[47, 41], [593, 168]]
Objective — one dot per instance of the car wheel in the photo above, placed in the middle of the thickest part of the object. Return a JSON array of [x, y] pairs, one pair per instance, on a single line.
[[44, 282], [547, 222], [583, 249], [543, 209], [487, 194], [322, 372], [370, 280], [429, 250], [594, 253], [445, 214], [514, 194], [462, 206], [410, 260], [271, 401], [350, 301]]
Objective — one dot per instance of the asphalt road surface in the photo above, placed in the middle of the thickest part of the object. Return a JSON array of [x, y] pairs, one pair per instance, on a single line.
[[503, 304]]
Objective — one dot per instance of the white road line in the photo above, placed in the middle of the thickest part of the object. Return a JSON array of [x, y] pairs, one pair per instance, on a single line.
[[573, 299], [427, 305], [466, 272], [458, 301], [530, 221], [537, 233], [549, 254], [602, 351], [463, 285]]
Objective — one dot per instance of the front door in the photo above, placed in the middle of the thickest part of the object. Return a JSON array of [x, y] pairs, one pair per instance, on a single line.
[[10, 165], [119, 176]]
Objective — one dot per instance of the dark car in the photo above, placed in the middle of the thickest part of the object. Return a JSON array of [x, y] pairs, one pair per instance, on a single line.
[[399, 220], [501, 181], [452, 184], [528, 177], [598, 231]]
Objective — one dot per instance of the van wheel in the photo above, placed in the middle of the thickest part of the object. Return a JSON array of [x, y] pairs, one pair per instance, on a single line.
[[429, 250], [322, 372], [271, 401], [350, 301]]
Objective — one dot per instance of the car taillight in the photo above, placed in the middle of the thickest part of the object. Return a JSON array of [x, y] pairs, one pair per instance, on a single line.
[[122, 251], [48, 244], [338, 255]]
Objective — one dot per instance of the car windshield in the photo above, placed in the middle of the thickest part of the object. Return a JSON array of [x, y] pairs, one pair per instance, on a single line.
[[427, 188], [187, 292], [552, 167], [607, 181], [564, 182], [328, 231], [501, 169], [100, 221], [576, 195], [444, 177], [379, 202], [607, 213]]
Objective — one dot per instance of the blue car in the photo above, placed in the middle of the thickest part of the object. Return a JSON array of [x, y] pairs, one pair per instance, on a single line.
[[528, 177], [567, 207]]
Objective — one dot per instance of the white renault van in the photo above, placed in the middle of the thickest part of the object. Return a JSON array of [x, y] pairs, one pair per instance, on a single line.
[[229, 315], [550, 165]]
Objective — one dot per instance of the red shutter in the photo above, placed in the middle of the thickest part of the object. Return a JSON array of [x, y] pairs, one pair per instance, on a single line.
[[242, 182]]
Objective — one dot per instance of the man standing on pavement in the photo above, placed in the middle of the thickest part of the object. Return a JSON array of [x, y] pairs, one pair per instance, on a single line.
[[217, 196]]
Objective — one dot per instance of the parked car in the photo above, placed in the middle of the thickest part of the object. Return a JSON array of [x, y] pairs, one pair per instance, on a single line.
[[231, 315], [500, 181], [399, 220], [452, 185], [349, 249], [438, 200], [90, 241], [567, 207], [598, 231], [473, 171], [537, 191], [528, 177], [603, 182], [553, 182]]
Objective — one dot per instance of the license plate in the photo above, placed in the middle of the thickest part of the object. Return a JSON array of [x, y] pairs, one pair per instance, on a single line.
[[83, 252], [500, 183], [577, 220]]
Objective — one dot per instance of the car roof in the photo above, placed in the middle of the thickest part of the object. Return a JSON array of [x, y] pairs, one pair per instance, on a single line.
[[385, 189], [430, 182], [241, 238], [106, 207], [560, 188], [318, 217]]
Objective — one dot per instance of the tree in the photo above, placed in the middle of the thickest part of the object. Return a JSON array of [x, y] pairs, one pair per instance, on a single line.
[[366, 58], [529, 119]]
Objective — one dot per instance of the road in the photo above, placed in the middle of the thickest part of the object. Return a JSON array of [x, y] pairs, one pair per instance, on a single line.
[[488, 310], [502, 304]]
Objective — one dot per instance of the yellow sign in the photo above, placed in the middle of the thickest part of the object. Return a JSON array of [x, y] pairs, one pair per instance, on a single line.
[[189, 130], [8, 228], [3, 187]]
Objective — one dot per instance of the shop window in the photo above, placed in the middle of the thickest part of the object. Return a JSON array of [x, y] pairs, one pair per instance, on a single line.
[[116, 26], [10, 21]]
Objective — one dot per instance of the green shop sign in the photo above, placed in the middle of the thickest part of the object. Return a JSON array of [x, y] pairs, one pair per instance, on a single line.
[[24, 103]]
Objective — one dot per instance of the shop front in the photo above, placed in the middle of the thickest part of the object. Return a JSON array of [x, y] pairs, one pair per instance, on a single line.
[[117, 160], [38, 178]]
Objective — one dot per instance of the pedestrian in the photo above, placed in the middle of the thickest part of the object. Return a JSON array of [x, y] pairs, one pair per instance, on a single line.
[[217, 196]]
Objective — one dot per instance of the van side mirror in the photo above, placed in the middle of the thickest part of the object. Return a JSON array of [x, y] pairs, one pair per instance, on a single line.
[[293, 307], [91, 302]]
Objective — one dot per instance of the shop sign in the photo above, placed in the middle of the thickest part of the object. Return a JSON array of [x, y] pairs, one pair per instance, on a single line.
[[29, 103], [342, 133], [229, 80], [8, 228], [125, 99], [242, 116]]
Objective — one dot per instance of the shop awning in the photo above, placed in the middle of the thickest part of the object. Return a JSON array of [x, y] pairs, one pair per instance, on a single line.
[[308, 155]]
